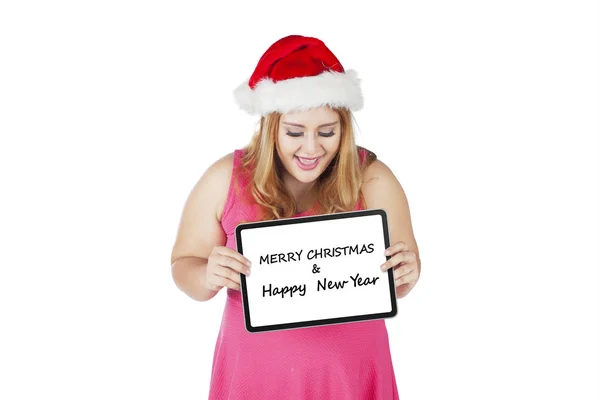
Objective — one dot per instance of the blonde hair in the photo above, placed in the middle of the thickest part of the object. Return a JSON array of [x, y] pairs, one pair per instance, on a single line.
[[339, 186]]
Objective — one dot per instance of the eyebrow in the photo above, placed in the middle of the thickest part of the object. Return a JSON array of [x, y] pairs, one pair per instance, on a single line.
[[302, 126]]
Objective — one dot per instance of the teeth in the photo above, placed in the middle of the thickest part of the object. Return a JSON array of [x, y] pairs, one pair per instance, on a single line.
[[307, 162]]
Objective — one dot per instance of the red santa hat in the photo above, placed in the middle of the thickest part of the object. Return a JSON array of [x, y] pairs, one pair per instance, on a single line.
[[298, 73]]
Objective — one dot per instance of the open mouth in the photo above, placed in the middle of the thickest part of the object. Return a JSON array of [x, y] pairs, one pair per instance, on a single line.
[[307, 163]]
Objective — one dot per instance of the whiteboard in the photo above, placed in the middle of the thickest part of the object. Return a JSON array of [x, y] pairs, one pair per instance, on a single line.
[[316, 270]]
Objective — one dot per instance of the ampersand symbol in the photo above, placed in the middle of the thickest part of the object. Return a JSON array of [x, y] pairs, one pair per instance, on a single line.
[[316, 269]]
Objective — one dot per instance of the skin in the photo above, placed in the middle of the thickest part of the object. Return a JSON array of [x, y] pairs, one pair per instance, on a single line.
[[382, 190], [308, 134], [202, 264]]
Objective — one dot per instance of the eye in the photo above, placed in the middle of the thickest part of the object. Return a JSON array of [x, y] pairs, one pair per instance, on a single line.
[[298, 134], [328, 134]]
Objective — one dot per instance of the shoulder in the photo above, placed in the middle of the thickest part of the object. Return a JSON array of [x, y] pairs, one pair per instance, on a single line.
[[377, 168], [381, 187], [219, 170], [213, 186]]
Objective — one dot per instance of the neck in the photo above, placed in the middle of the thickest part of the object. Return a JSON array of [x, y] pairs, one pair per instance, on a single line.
[[303, 193]]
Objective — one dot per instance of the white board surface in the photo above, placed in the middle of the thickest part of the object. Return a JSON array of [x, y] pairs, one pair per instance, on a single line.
[[316, 270]]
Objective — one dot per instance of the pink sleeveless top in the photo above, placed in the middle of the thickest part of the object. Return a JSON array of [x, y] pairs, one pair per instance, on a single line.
[[349, 361]]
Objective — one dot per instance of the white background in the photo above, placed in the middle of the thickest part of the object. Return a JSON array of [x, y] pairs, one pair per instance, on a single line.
[[486, 112], [309, 238]]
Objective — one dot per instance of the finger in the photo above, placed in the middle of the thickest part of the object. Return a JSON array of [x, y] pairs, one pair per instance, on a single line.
[[234, 254], [227, 273], [224, 282], [396, 247], [402, 271], [213, 282], [213, 287], [396, 259], [404, 279], [233, 263]]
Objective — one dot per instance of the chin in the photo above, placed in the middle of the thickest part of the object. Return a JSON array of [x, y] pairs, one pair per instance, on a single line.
[[306, 178]]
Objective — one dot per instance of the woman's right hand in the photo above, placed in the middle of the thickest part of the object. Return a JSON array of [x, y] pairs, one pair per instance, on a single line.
[[224, 268]]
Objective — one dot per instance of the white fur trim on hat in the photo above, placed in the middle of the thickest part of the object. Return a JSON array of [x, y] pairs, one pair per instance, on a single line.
[[331, 88]]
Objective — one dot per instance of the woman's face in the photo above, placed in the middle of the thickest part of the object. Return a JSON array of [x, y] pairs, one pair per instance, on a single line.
[[308, 141]]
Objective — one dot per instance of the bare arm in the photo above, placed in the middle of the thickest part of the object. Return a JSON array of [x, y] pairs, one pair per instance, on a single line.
[[382, 190], [200, 230], [189, 274]]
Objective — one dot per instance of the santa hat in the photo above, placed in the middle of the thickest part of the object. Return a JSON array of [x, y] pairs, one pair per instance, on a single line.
[[298, 73]]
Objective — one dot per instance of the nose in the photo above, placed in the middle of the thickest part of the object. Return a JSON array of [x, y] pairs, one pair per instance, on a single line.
[[310, 144]]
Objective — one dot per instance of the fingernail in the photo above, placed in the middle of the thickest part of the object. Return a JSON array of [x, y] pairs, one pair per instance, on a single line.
[[249, 263], [387, 253], [383, 267], [248, 272]]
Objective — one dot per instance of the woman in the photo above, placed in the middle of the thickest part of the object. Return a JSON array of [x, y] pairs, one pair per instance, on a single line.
[[302, 161]]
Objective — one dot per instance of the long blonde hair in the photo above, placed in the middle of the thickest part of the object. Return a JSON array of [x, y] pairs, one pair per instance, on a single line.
[[339, 186]]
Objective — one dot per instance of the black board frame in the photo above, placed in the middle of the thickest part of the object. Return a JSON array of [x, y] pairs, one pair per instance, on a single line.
[[329, 321]]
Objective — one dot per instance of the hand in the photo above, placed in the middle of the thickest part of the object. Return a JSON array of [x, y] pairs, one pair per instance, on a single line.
[[224, 268], [406, 270]]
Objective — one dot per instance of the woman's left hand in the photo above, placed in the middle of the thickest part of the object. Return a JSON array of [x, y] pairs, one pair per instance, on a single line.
[[406, 269]]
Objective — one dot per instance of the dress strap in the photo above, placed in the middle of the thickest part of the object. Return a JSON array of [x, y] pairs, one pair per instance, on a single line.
[[231, 194]]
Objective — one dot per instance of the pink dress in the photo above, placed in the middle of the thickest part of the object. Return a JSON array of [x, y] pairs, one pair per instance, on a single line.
[[349, 361]]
